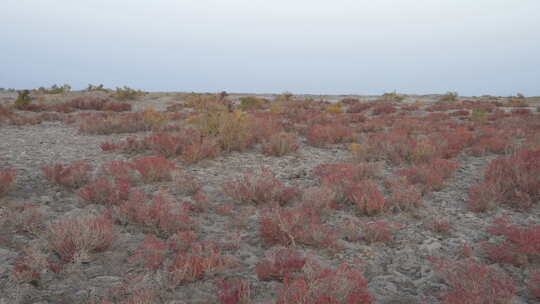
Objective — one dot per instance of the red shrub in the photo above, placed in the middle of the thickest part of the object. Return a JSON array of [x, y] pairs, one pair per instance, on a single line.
[[203, 258], [385, 108], [439, 226], [513, 180], [343, 285], [460, 113], [403, 196], [78, 235], [521, 111], [107, 146], [234, 291], [161, 215], [151, 253], [378, 231], [73, 175], [521, 244], [120, 170], [117, 107], [206, 147], [533, 283], [323, 135], [343, 178], [295, 225], [430, 176], [88, 103], [259, 188], [7, 177], [26, 270], [367, 198], [153, 168], [185, 183], [359, 107], [473, 282], [106, 192], [24, 217], [280, 263], [166, 144]]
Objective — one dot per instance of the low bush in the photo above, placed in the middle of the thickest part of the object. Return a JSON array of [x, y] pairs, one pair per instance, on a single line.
[[7, 178], [202, 259], [126, 93], [104, 191], [292, 226], [73, 237], [384, 108], [280, 263], [280, 144], [449, 97], [323, 135], [260, 187], [533, 283], [472, 282], [342, 285], [234, 291], [74, 175], [251, 103], [512, 180], [153, 168], [430, 176], [520, 244], [160, 214], [403, 196]]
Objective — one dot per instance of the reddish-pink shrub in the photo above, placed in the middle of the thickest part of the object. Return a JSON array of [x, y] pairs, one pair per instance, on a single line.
[[120, 170], [343, 178], [108, 146], [521, 111], [430, 176], [384, 108], [367, 198], [7, 178], [161, 215], [73, 237], [203, 258], [151, 253], [323, 135], [259, 188], [234, 291], [206, 147], [533, 283], [403, 196], [472, 282], [439, 226], [521, 244], [24, 217], [280, 263], [106, 192], [343, 285], [378, 231], [512, 180], [460, 113], [285, 226], [27, 268], [73, 175], [153, 168]]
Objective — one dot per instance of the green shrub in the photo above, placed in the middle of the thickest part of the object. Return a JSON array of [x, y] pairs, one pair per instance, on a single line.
[[393, 97], [449, 96], [127, 93], [252, 103], [55, 89], [23, 99]]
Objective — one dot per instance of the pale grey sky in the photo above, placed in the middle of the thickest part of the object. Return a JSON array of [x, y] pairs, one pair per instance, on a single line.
[[304, 46]]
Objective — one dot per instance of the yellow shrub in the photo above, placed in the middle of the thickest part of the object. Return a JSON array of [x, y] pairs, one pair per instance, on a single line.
[[153, 118], [334, 108]]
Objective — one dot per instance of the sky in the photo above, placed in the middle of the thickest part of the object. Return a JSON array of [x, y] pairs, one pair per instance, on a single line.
[[474, 47]]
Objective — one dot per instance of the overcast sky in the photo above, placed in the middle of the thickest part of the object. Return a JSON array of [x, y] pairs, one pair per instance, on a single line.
[[304, 46]]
